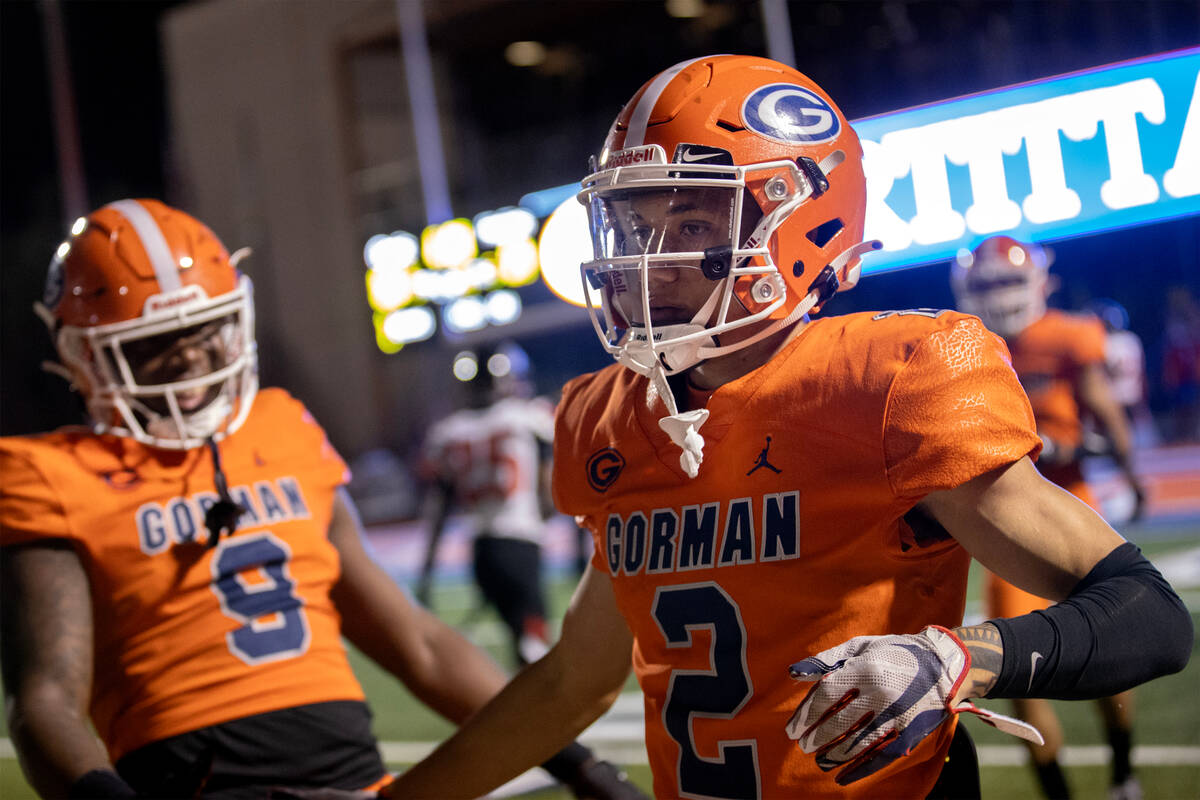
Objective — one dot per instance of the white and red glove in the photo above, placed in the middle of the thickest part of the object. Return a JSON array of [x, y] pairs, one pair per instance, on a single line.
[[876, 697]]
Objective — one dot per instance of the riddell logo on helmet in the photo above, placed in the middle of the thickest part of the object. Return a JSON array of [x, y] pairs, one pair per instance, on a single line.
[[184, 296], [634, 155]]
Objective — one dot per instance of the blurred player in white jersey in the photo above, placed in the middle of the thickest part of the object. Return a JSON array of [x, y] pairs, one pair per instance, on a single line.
[[1125, 363], [489, 461]]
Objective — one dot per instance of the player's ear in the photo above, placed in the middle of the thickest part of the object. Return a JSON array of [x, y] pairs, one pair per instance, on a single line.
[[1052, 285]]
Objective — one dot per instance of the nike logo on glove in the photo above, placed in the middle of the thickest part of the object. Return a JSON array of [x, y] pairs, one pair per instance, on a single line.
[[929, 671]]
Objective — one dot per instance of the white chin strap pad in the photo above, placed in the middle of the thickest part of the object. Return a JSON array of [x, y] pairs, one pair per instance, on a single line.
[[684, 430]]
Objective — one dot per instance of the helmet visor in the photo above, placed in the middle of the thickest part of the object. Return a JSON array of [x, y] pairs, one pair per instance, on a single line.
[[191, 361], [659, 249], [673, 225]]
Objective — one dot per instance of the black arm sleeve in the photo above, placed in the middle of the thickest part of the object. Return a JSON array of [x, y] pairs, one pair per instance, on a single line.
[[1121, 626]]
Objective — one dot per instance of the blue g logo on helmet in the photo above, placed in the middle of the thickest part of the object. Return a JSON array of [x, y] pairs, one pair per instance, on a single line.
[[52, 292], [790, 114]]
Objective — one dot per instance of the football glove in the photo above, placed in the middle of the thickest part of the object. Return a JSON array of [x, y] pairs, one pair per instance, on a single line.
[[876, 697]]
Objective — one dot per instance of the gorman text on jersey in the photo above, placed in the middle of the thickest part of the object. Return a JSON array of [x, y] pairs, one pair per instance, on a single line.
[[181, 519], [704, 535]]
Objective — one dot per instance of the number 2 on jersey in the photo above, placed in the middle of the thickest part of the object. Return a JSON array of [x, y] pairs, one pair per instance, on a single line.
[[250, 577], [719, 692]]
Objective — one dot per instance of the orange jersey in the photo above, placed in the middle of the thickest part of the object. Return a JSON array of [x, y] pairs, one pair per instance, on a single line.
[[1048, 357], [791, 539], [187, 636]]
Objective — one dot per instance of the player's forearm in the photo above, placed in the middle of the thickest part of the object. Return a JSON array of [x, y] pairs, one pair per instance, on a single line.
[[454, 677], [535, 716], [1122, 625], [54, 744]]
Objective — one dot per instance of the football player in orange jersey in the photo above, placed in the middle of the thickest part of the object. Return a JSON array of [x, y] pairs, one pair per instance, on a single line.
[[1060, 361], [182, 571], [766, 491]]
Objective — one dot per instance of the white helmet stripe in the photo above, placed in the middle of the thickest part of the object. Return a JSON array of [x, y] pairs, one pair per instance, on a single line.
[[641, 113], [157, 250]]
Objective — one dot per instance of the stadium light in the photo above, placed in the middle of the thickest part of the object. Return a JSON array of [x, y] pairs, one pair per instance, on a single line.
[[449, 245], [505, 225], [465, 314], [465, 366], [389, 286], [396, 249], [405, 326], [525, 54], [502, 307], [517, 262], [562, 247]]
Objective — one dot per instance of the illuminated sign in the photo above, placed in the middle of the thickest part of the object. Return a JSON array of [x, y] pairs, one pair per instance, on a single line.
[[1104, 148], [1077, 154]]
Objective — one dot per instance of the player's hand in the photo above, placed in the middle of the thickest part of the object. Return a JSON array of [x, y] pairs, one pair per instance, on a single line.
[[1139, 500], [876, 697]]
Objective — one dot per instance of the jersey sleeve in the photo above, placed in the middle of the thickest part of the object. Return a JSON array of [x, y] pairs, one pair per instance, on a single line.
[[1087, 342], [955, 411], [331, 462], [30, 508]]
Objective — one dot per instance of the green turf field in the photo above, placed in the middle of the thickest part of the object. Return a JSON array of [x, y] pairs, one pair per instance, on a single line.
[[1167, 712]]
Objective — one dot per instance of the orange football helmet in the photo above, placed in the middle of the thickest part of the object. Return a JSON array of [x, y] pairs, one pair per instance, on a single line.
[[135, 284], [778, 170], [1003, 282]]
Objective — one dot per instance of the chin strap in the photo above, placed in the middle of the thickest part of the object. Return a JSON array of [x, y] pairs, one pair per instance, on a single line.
[[222, 516], [683, 428]]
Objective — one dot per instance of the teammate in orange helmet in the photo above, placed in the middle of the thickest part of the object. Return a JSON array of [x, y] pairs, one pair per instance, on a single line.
[[182, 570], [765, 491], [1060, 360]]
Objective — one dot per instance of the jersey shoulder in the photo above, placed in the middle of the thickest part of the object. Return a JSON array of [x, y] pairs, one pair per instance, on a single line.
[[281, 428], [868, 349], [69, 449], [1080, 336], [601, 399]]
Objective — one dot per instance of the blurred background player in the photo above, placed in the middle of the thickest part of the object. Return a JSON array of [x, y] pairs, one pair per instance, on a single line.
[[182, 571], [1061, 361], [1125, 363], [490, 461]]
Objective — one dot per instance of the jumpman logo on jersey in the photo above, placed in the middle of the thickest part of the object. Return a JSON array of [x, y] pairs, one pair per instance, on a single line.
[[761, 461]]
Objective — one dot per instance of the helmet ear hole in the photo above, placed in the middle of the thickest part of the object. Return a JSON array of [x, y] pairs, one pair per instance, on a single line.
[[824, 233]]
